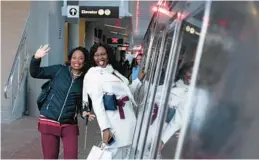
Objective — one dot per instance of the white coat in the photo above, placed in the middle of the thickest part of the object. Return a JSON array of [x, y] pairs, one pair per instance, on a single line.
[[98, 81], [177, 100]]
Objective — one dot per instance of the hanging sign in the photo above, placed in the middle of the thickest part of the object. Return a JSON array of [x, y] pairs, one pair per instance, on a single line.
[[98, 12]]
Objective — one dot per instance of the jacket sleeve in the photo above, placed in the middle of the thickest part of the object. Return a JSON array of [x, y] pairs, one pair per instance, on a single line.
[[87, 102], [42, 72], [94, 89], [135, 85], [85, 97]]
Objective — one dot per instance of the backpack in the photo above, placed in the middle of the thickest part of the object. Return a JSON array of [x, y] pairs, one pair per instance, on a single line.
[[45, 89]]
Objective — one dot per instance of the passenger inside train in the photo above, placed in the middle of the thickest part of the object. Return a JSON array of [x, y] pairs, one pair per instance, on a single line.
[[136, 67]]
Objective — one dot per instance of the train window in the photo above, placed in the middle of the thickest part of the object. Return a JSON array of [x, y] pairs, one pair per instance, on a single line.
[[167, 54], [153, 58]]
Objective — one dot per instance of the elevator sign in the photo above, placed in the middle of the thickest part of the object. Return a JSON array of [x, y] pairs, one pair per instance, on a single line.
[[98, 12]]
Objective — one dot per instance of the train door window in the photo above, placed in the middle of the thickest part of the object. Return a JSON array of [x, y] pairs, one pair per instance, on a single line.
[[167, 53], [223, 122]]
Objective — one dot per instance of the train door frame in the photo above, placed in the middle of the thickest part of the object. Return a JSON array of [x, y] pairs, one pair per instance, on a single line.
[[148, 62], [153, 89], [152, 68], [169, 80]]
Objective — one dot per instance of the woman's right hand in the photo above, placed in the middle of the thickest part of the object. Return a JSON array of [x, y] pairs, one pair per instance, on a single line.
[[106, 135], [141, 74], [42, 51], [90, 116]]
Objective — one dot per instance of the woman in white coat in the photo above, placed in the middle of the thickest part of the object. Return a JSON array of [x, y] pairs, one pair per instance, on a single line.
[[102, 79], [177, 101]]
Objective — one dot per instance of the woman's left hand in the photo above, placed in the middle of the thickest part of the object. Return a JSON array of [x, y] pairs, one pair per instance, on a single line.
[[90, 116], [161, 146]]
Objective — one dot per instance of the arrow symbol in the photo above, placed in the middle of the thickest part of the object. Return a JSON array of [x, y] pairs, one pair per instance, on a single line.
[[73, 11]]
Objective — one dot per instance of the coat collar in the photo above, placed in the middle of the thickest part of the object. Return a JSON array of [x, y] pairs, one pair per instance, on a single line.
[[71, 73], [107, 69], [180, 83]]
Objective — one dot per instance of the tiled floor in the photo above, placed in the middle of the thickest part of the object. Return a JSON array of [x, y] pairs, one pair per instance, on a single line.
[[21, 139]]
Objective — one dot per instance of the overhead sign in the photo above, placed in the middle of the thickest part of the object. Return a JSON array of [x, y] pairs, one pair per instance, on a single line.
[[115, 41], [72, 11], [99, 12]]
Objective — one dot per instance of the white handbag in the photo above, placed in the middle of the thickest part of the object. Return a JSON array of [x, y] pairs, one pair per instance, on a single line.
[[98, 153]]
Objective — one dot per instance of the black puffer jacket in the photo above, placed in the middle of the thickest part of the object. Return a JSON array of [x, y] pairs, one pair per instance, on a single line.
[[65, 98]]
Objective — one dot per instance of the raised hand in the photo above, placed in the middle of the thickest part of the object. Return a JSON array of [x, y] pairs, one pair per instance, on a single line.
[[42, 51]]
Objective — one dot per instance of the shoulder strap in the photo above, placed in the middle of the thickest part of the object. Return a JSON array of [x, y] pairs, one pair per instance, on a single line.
[[117, 76]]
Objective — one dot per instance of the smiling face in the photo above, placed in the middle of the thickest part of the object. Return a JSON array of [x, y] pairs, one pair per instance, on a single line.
[[101, 57], [77, 60], [139, 59]]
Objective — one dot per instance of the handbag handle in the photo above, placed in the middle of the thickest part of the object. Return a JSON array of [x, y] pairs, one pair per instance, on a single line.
[[103, 146]]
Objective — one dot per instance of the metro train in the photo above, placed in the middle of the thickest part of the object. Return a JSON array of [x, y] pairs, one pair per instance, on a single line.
[[220, 117]]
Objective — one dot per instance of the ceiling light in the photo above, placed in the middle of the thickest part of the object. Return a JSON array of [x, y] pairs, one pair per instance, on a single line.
[[107, 25], [113, 32]]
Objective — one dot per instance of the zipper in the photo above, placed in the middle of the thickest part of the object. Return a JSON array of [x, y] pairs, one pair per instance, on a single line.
[[50, 102], [75, 114], [66, 99]]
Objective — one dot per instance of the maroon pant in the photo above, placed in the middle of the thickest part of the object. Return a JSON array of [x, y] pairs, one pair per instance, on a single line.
[[50, 139]]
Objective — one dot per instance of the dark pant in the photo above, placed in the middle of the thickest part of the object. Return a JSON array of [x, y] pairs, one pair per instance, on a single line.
[[51, 141]]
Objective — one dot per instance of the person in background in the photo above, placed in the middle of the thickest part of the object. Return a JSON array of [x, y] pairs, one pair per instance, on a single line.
[[58, 114], [124, 65], [136, 67], [104, 79]]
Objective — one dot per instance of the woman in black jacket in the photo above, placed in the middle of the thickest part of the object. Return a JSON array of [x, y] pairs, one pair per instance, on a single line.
[[58, 114]]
